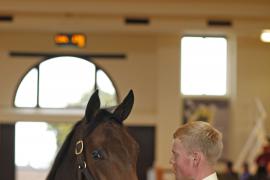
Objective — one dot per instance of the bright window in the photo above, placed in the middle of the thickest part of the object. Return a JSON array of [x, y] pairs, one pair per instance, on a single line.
[[64, 82], [35, 144], [28, 90], [204, 66], [108, 90]]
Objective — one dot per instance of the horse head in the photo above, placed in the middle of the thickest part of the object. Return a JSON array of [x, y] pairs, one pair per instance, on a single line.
[[99, 146]]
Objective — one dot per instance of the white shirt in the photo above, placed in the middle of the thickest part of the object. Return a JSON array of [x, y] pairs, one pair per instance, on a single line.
[[211, 177]]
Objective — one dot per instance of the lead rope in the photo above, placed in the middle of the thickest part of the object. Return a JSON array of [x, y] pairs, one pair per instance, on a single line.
[[82, 167]]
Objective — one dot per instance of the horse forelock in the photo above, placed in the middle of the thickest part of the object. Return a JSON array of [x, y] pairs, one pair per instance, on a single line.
[[106, 114], [110, 108]]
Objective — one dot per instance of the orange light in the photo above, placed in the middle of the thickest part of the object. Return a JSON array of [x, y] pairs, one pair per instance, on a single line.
[[78, 39], [61, 39], [65, 39]]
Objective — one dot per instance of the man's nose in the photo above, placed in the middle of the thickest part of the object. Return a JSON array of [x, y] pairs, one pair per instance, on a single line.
[[171, 160]]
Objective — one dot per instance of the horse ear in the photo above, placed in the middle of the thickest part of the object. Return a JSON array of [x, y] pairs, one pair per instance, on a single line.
[[123, 110], [92, 106]]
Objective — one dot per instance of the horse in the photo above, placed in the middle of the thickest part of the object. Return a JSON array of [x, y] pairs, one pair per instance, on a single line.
[[98, 147]]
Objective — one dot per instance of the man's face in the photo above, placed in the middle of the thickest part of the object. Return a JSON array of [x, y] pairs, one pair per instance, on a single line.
[[181, 160]]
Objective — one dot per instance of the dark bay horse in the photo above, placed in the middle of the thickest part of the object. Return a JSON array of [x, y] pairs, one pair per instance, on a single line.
[[98, 147]]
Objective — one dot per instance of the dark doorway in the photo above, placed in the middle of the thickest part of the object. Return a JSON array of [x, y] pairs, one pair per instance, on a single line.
[[7, 151], [145, 136]]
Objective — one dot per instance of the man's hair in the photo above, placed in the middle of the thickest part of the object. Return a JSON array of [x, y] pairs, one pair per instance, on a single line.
[[201, 136]]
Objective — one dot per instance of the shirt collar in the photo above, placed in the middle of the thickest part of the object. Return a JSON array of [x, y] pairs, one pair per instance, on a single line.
[[211, 177]]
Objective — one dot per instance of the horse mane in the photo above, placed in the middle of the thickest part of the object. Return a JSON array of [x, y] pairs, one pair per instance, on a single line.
[[61, 153]]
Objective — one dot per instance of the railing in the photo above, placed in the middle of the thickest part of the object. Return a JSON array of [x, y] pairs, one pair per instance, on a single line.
[[255, 141]]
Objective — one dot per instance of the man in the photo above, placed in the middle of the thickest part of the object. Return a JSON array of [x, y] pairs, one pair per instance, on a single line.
[[196, 148]]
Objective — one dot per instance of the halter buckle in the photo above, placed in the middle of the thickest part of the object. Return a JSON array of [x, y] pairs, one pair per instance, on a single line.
[[83, 166], [79, 147]]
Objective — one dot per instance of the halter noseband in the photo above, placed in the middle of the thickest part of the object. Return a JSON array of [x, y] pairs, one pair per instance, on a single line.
[[82, 167], [81, 162]]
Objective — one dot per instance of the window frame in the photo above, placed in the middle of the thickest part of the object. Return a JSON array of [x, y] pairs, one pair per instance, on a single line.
[[48, 58], [227, 95]]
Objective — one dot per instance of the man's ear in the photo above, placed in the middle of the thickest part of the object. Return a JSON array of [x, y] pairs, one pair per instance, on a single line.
[[197, 158]]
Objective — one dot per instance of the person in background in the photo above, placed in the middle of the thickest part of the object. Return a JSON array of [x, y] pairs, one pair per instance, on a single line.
[[196, 148], [246, 175], [230, 173], [268, 171], [262, 161]]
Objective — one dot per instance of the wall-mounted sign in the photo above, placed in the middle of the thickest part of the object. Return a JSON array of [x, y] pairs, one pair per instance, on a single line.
[[72, 39]]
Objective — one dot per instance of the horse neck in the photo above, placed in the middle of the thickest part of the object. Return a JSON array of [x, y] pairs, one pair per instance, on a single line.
[[64, 166]]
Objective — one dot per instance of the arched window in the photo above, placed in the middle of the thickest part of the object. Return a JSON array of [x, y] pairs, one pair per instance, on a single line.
[[61, 82], [64, 82]]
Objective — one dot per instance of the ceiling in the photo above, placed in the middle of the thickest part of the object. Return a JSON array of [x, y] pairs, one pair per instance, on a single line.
[[109, 15]]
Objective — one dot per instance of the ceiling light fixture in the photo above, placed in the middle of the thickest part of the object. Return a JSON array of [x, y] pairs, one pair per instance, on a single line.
[[265, 36]]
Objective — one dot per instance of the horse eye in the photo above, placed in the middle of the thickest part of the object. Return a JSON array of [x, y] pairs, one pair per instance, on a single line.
[[97, 155]]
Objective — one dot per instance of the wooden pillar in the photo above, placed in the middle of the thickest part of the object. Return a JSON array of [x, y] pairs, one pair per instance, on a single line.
[[169, 102]]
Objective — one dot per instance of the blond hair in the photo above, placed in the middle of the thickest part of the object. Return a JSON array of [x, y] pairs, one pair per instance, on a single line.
[[199, 135]]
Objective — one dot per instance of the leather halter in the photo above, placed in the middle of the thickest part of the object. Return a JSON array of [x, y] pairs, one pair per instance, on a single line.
[[81, 162], [82, 167]]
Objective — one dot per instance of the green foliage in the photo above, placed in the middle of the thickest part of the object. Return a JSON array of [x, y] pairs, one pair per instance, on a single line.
[[61, 130]]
